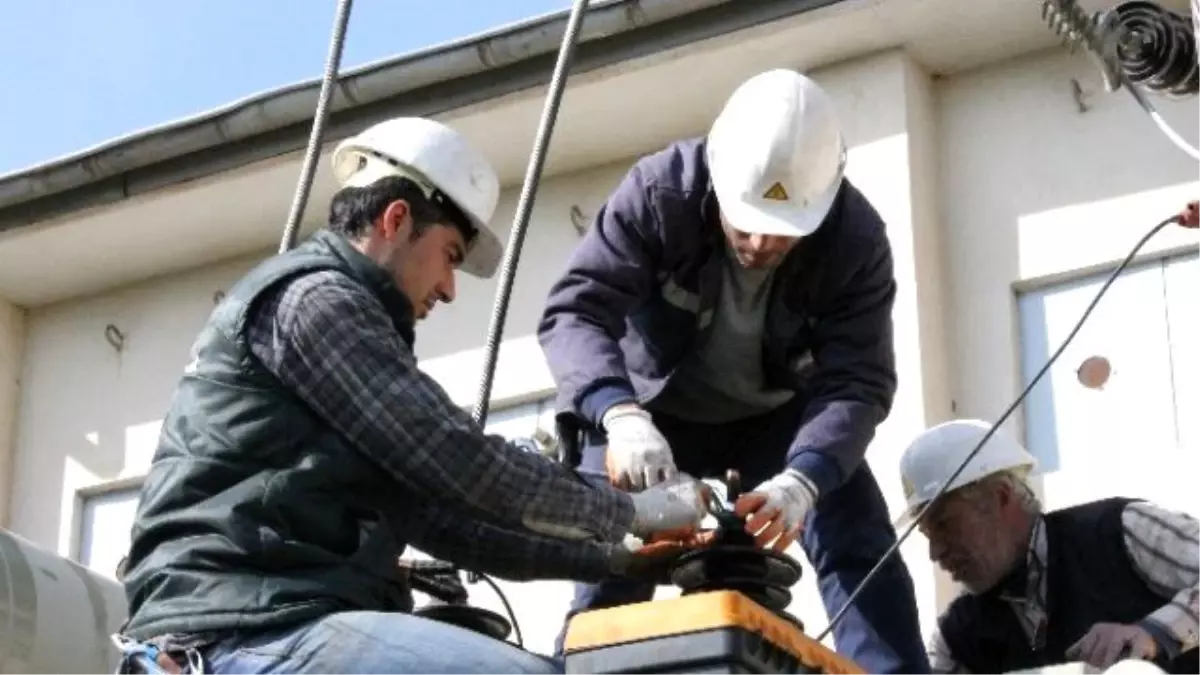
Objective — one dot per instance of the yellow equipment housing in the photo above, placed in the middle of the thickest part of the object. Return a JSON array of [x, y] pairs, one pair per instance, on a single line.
[[712, 632]]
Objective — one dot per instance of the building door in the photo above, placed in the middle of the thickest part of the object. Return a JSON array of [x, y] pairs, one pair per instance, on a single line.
[[1117, 414]]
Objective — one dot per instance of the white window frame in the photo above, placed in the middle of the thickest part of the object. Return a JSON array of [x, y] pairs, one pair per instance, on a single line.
[[84, 497]]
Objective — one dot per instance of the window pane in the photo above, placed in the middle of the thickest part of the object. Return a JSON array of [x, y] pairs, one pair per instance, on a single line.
[[1183, 322], [105, 527], [1085, 424], [518, 420]]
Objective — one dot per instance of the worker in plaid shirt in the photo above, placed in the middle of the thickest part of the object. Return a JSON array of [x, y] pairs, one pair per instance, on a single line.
[[1097, 582], [304, 450]]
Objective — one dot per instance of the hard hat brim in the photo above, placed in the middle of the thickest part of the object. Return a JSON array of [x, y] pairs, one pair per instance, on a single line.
[[907, 517], [763, 216], [1022, 469], [483, 254]]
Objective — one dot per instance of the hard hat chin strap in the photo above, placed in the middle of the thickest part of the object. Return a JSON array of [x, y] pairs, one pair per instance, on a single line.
[[374, 166]]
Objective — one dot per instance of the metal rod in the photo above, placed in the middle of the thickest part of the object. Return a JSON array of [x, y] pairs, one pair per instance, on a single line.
[[533, 173], [313, 152]]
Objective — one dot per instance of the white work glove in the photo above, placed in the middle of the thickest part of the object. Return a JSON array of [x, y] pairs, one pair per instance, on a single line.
[[638, 455], [670, 508], [775, 510]]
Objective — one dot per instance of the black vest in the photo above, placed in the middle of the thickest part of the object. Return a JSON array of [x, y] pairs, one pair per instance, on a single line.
[[1090, 580], [254, 512]]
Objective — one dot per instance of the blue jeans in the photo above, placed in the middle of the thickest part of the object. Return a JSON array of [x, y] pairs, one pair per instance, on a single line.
[[844, 535], [372, 642]]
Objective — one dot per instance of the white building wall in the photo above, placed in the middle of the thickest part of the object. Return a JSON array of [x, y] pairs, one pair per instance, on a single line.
[[1037, 192], [986, 180], [12, 358]]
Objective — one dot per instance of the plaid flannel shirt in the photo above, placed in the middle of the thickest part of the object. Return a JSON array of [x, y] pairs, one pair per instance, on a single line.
[[480, 502], [1164, 547]]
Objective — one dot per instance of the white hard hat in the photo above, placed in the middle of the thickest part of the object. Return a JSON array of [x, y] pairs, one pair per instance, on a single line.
[[935, 454], [439, 160], [776, 155]]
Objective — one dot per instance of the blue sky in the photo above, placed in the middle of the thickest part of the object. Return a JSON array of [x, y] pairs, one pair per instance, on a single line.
[[80, 72]]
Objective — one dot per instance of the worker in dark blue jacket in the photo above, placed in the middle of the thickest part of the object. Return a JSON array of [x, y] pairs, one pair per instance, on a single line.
[[731, 307]]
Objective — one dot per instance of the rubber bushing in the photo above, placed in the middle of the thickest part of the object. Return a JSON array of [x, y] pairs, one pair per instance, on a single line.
[[764, 576], [476, 619]]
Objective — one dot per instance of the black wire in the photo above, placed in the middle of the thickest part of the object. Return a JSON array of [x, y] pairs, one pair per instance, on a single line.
[[424, 577], [512, 616], [1049, 362]]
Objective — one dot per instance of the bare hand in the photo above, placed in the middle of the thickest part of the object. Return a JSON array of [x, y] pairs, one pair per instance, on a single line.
[[1107, 643], [652, 560], [684, 539]]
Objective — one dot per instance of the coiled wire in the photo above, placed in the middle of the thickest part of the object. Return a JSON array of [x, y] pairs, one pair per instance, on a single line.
[[1156, 49], [1153, 47], [1137, 44]]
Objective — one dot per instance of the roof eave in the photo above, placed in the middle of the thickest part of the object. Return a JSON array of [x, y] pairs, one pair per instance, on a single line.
[[445, 77]]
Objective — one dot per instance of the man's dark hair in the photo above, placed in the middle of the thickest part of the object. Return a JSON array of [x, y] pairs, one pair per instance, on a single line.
[[353, 209]]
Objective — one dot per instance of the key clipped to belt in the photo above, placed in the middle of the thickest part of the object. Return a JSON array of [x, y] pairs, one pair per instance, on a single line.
[[146, 659]]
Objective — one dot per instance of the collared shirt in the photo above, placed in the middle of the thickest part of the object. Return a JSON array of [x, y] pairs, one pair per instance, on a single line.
[[1164, 547], [484, 501]]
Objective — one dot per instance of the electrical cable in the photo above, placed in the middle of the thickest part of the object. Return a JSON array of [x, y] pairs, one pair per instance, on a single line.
[[313, 151], [1162, 124], [1178, 218], [512, 253], [512, 616], [533, 173]]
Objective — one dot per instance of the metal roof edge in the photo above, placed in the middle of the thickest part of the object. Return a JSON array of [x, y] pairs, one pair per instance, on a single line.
[[442, 77]]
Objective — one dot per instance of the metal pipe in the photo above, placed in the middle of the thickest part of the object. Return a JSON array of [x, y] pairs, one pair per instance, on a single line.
[[533, 174], [313, 152]]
